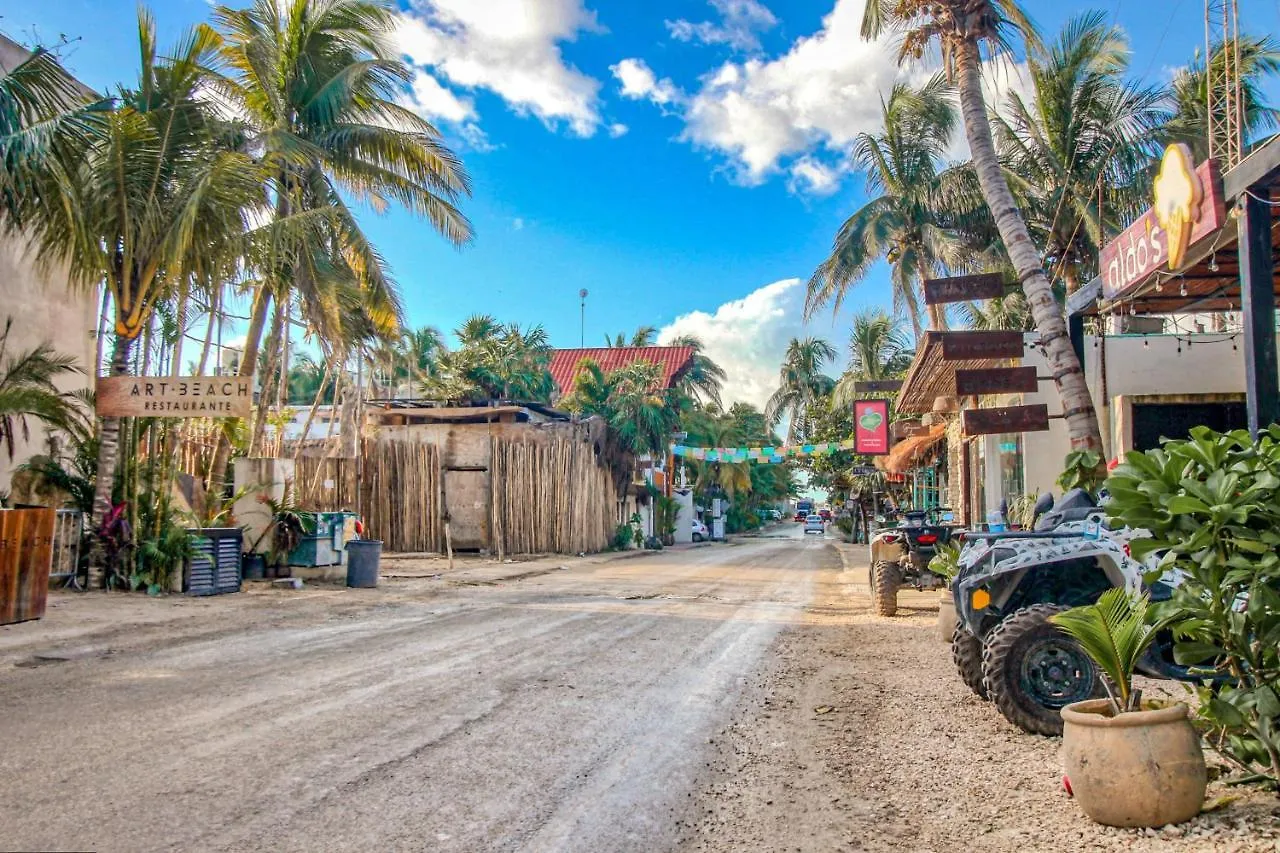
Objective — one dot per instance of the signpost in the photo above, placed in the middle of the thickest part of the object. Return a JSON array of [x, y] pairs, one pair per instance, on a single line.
[[996, 380], [1033, 418], [879, 386], [871, 427], [963, 288], [907, 429], [175, 397], [978, 346]]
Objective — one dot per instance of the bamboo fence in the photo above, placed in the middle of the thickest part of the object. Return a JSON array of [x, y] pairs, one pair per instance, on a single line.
[[401, 495], [549, 497]]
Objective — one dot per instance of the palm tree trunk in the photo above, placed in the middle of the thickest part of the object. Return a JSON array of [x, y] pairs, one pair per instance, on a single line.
[[1082, 420], [108, 452], [315, 404], [937, 318], [276, 343]]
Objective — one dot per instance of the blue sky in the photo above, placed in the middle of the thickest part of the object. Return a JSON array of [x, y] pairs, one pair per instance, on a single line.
[[680, 159]]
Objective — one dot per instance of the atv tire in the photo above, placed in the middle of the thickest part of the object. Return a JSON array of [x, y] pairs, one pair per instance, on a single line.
[[966, 651], [885, 580], [1031, 670]]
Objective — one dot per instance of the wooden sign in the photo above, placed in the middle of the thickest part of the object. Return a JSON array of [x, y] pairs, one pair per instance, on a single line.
[[1034, 418], [862, 471], [996, 380], [879, 386], [963, 288], [907, 429], [979, 346], [26, 555], [175, 397]]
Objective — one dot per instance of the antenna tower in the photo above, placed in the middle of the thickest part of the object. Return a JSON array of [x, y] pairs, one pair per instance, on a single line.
[[1225, 103]]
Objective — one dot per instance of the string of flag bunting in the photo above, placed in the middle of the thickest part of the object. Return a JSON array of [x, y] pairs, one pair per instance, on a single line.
[[760, 455]]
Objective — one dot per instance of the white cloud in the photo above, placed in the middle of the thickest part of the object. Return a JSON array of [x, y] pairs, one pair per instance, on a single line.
[[618, 129], [812, 176], [740, 23], [517, 224], [509, 47], [748, 337], [641, 84], [433, 101]]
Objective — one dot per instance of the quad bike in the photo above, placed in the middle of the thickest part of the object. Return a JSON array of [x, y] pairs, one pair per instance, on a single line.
[[900, 556], [1007, 587]]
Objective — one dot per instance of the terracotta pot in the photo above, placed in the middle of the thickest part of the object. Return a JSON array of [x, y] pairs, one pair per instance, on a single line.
[[946, 616], [1143, 768]]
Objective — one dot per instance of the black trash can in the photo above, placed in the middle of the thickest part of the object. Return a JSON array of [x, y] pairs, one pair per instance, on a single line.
[[363, 556]]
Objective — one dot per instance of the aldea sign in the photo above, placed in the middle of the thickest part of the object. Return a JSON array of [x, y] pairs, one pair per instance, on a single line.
[[174, 397], [1188, 207]]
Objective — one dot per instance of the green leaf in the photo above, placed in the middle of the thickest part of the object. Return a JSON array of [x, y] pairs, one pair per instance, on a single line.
[[1225, 713], [1181, 504], [1192, 652]]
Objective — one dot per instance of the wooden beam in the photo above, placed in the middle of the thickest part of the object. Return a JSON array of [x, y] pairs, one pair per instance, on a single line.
[[963, 288], [966, 346], [1258, 306], [996, 380], [1033, 418], [876, 385]]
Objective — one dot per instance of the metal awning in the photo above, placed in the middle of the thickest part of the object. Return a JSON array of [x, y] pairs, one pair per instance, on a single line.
[[930, 377]]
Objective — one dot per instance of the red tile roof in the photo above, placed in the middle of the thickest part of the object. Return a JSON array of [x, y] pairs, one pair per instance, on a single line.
[[672, 360]]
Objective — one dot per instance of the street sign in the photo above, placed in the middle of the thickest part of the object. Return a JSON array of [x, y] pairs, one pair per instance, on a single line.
[[996, 380], [871, 427], [976, 346], [963, 288], [1034, 418], [174, 397], [880, 386], [862, 471]]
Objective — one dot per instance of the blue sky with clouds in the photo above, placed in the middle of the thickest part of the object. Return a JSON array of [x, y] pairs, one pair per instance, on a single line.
[[683, 160]]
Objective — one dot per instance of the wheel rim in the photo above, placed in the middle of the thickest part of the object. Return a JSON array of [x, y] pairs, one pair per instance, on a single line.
[[1056, 672]]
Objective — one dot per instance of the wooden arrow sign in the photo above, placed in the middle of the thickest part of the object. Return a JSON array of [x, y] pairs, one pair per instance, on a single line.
[[878, 386], [963, 288], [978, 346], [1034, 418], [996, 380]]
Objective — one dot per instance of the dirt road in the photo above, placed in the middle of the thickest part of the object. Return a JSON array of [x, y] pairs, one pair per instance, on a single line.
[[725, 698]]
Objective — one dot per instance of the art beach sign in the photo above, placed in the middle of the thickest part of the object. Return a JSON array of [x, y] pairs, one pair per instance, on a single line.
[[174, 397], [1188, 207]]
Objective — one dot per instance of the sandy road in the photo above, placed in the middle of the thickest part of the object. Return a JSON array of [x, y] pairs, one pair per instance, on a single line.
[[570, 709]]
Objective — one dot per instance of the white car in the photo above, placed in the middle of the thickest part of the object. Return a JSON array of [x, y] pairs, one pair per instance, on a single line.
[[700, 531], [814, 524]]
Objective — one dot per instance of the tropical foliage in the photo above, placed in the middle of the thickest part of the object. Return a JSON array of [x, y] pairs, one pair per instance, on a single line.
[[1115, 632], [801, 383], [29, 392]]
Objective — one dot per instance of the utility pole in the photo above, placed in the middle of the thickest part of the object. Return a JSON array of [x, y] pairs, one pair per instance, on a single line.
[[582, 334]]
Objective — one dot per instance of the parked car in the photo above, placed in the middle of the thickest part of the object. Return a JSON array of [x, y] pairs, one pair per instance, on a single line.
[[801, 515], [700, 531], [825, 514], [815, 524]]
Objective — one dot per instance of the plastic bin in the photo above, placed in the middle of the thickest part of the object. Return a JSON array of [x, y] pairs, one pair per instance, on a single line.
[[363, 558]]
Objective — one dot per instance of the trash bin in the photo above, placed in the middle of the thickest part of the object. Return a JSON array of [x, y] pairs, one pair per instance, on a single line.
[[363, 556]]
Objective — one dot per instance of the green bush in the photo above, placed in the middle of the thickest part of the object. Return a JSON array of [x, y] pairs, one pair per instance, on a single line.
[[1212, 506], [1082, 469]]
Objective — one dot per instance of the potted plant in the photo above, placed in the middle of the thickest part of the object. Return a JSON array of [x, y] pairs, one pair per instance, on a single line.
[[1128, 763]]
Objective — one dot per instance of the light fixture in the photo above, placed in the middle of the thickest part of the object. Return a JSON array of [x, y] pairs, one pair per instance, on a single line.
[[1182, 291], [1213, 262]]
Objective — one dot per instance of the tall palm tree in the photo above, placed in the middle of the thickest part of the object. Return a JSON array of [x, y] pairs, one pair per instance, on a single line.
[[29, 391], [1087, 130], [1007, 314], [1189, 93], [877, 350], [643, 413], [963, 29], [643, 336], [704, 378], [902, 164], [317, 82], [801, 382], [425, 345]]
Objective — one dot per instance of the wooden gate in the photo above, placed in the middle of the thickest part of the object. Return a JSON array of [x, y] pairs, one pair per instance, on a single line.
[[26, 554]]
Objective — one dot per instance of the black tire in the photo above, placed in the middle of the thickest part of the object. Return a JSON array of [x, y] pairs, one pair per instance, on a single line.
[[1032, 670], [966, 652], [885, 580]]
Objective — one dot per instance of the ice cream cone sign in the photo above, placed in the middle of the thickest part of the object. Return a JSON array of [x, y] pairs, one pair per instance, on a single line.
[[1178, 194]]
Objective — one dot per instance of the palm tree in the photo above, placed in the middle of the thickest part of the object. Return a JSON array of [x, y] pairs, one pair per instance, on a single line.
[[704, 378], [425, 345], [901, 222], [643, 413], [801, 382], [590, 392], [963, 29], [643, 336], [1087, 131], [318, 82], [28, 390], [1189, 93], [877, 350], [1007, 314]]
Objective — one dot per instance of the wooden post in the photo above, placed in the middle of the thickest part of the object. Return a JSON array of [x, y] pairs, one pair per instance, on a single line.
[[1258, 305]]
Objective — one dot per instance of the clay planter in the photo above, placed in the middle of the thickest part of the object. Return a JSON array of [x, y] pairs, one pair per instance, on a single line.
[[946, 616], [1143, 768]]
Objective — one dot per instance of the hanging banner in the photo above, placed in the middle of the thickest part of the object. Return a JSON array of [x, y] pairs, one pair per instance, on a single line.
[[759, 455], [174, 397], [871, 427]]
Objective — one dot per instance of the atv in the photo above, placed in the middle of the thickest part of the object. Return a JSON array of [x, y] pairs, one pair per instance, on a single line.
[[1009, 584], [900, 556]]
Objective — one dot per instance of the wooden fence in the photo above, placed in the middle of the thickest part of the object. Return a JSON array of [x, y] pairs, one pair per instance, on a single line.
[[26, 553], [401, 495], [549, 497]]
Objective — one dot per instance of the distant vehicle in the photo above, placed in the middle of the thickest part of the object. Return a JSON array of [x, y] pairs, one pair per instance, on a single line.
[[801, 515], [773, 514], [804, 506], [815, 524], [825, 514], [700, 531]]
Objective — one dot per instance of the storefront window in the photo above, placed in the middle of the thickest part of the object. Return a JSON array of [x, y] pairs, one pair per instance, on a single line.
[[1011, 469]]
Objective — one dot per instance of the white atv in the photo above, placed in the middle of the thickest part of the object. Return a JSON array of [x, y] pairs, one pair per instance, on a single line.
[[1007, 587]]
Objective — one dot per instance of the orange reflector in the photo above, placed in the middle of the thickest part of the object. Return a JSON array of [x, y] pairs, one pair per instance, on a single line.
[[981, 598]]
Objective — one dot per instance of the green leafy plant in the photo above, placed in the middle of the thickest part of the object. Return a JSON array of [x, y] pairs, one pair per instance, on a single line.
[[1083, 469], [289, 523], [1212, 506], [622, 538], [1115, 632], [945, 561], [1022, 511], [665, 511]]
